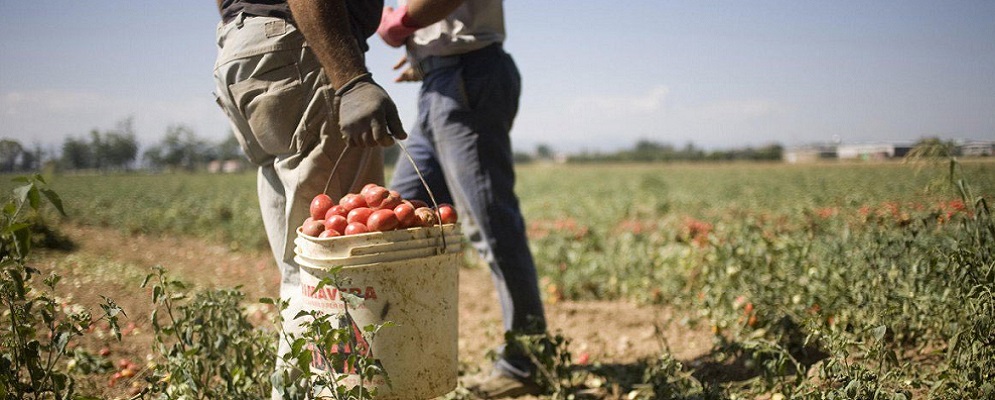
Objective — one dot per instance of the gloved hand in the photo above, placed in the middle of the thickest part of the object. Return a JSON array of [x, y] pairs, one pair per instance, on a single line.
[[367, 115], [396, 26]]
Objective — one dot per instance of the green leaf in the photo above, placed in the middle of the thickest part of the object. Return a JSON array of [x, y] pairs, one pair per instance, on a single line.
[[54, 199], [879, 332], [304, 360], [61, 341], [22, 240], [21, 192], [16, 227], [352, 300], [34, 199], [145, 281], [278, 382], [297, 345]]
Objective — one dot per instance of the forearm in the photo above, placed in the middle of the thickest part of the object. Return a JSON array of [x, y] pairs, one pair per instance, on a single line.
[[428, 12], [325, 25]]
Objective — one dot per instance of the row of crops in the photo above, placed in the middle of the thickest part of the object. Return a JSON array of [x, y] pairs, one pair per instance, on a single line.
[[821, 281]]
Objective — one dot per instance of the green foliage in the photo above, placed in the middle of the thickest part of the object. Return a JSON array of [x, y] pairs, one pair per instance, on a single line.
[[207, 348], [827, 281], [650, 151], [331, 357], [112, 149], [899, 298], [666, 378], [220, 207], [553, 361], [38, 333]]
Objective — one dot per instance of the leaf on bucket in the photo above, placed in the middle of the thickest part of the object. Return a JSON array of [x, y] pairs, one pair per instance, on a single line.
[[351, 299]]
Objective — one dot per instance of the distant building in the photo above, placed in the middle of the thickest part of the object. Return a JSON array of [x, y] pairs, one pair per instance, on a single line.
[[872, 151], [876, 151], [811, 153], [227, 166], [214, 166], [977, 149]]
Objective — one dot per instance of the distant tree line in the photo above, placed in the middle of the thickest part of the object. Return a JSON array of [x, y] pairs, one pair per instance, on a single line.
[[181, 149], [118, 150], [113, 149], [650, 151], [15, 157]]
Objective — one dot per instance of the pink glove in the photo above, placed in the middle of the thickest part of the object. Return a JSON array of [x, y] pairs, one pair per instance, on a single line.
[[396, 26]]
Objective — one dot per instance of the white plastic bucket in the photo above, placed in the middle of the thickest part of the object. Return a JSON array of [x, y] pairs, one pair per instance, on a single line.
[[404, 277]]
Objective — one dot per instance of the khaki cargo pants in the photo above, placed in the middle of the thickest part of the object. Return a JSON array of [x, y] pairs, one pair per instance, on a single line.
[[279, 101]]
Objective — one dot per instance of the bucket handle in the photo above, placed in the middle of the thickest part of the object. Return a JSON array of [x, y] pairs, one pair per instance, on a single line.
[[431, 196]]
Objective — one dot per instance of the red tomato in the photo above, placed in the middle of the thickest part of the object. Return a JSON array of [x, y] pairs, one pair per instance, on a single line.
[[313, 228], [405, 215], [327, 233], [375, 196], [447, 213], [320, 205], [356, 228], [366, 188], [383, 220], [360, 214], [352, 201], [393, 200], [336, 223], [418, 204], [336, 210]]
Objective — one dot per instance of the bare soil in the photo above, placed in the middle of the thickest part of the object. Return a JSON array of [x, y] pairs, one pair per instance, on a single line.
[[108, 262]]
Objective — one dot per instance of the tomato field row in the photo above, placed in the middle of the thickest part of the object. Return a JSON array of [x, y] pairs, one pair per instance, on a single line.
[[825, 281]]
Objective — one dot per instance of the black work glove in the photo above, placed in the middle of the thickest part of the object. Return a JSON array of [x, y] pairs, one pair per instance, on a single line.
[[367, 115]]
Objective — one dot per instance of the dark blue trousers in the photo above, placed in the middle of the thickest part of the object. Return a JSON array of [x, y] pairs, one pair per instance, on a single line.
[[462, 146]]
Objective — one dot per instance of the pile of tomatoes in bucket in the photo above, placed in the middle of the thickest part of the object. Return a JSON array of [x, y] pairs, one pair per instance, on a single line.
[[373, 209]]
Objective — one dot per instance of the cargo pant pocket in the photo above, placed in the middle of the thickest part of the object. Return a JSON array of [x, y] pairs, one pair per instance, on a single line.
[[272, 104]]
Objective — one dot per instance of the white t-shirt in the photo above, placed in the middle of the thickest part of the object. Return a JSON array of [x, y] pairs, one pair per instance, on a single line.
[[473, 25]]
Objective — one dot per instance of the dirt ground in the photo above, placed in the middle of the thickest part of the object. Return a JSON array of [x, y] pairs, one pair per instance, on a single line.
[[605, 331]]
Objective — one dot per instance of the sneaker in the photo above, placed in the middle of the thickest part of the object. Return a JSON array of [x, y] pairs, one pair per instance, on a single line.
[[500, 385]]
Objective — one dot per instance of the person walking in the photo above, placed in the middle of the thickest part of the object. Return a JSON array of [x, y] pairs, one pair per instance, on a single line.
[[461, 144], [291, 76]]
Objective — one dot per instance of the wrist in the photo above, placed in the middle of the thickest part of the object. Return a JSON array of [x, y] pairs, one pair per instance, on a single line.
[[396, 25], [407, 21], [364, 77]]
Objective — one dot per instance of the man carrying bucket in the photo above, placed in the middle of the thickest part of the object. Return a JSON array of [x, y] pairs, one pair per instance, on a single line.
[[291, 77], [461, 143]]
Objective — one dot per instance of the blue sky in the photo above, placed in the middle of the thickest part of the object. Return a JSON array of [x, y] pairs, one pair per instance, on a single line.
[[596, 75]]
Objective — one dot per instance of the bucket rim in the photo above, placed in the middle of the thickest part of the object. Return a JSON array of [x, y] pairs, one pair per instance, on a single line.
[[447, 228], [303, 263]]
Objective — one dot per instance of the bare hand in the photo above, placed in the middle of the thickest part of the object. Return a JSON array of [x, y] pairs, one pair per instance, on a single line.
[[409, 74]]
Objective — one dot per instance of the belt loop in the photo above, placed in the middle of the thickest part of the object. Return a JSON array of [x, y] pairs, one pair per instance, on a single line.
[[240, 20]]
